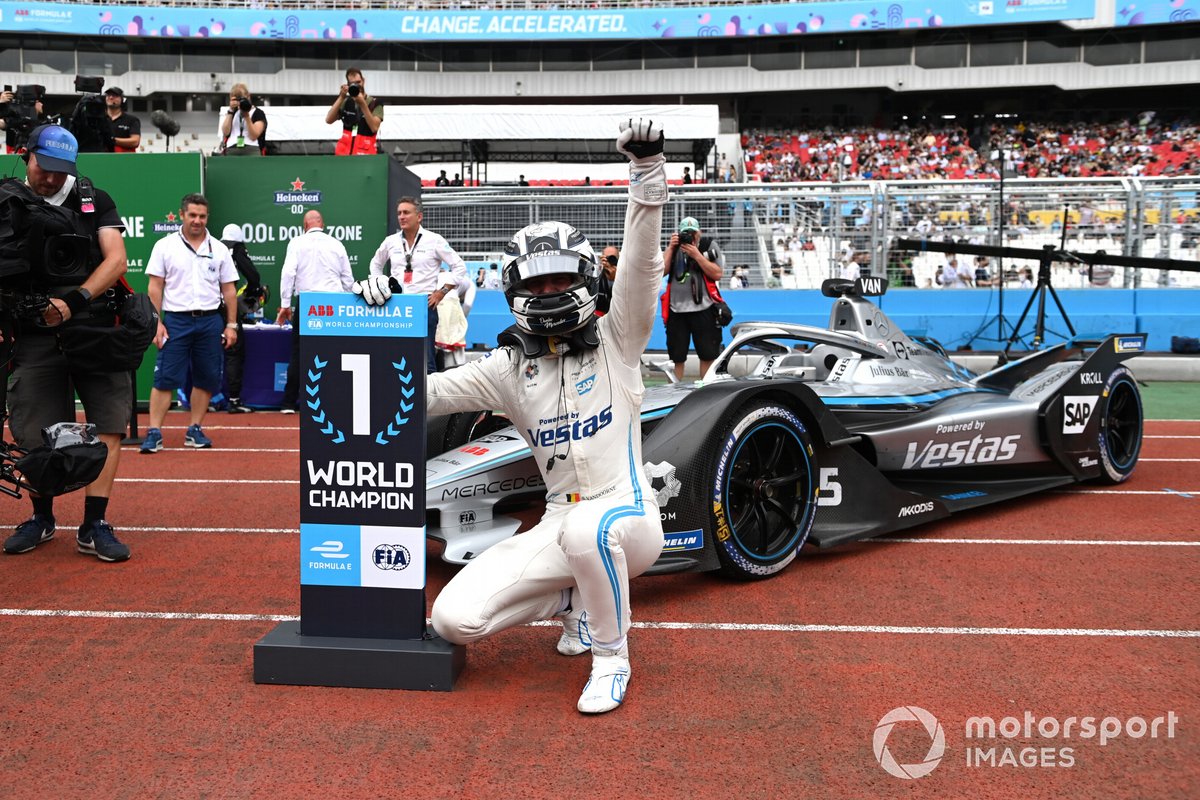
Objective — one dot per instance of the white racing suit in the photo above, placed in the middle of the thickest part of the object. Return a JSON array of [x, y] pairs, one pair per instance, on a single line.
[[580, 412]]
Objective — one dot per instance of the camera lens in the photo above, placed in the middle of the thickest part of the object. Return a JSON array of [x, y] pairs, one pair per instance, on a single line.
[[244, 104], [354, 90]]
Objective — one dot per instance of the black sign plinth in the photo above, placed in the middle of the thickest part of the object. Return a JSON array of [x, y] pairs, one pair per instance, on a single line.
[[284, 656]]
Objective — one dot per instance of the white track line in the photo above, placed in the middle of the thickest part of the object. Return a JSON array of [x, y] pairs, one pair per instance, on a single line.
[[233, 449], [1167, 460], [204, 480], [252, 428], [1176, 492], [729, 627], [257, 482], [881, 540]]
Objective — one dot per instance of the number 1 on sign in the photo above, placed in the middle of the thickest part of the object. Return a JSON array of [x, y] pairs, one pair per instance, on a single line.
[[359, 367]]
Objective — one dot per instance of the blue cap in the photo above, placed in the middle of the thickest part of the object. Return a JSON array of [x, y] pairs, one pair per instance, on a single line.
[[689, 224], [55, 147]]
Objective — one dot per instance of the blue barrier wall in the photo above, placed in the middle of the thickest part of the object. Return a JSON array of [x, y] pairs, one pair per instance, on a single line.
[[953, 317]]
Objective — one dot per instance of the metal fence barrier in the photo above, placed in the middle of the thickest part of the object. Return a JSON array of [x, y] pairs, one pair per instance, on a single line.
[[796, 235]]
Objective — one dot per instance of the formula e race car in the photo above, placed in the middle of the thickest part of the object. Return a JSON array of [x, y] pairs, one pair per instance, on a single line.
[[800, 434]]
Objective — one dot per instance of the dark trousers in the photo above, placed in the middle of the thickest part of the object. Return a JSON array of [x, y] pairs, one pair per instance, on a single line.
[[235, 364], [430, 350]]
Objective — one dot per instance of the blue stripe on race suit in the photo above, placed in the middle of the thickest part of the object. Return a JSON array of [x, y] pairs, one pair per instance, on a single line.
[[611, 516]]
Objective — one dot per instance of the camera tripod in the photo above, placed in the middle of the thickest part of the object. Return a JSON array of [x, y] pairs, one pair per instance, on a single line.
[[1045, 258]]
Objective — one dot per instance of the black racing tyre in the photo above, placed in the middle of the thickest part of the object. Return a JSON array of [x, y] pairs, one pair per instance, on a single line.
[[467, 425], [1120, 426], [764, 489]]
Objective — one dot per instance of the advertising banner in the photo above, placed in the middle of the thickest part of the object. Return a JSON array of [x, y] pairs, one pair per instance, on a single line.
[[362, 466], [775, 19], [268, 197]]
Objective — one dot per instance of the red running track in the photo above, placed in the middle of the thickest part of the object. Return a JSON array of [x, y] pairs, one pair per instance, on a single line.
[[134, 680]]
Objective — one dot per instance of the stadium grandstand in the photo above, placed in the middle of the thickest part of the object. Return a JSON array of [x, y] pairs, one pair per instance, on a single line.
[[828, 129]]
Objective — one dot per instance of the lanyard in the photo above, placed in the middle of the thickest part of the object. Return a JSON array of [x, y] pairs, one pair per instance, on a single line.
[[188, 245], [408, 253]]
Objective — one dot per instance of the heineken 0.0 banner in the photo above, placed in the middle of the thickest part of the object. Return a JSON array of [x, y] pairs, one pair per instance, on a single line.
[[268, 197]]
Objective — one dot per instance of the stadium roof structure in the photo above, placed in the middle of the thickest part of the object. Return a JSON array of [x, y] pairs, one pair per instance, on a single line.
[[513, 133]]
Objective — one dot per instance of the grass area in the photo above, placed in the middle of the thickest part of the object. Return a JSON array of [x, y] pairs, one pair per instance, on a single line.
[[1171, 399]]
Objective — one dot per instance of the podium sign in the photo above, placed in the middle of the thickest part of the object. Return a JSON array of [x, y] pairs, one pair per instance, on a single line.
[[362, 500]]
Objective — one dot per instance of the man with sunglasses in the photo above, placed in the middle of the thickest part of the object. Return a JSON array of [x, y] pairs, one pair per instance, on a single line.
[[414, 256]]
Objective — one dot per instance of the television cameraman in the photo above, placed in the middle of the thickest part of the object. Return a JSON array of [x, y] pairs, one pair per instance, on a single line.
[[22, 111], [245, 123], [43, 385], [361, 116], [126, 128]]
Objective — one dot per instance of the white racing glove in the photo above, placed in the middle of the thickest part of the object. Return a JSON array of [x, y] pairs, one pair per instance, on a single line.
[[377, 289], [642, 141]]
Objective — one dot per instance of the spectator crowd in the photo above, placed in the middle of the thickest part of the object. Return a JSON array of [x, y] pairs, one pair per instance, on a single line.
[[1139, 147]]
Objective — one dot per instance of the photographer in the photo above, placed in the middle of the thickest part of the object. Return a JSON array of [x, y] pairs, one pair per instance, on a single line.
[[608, 273], [361, 117], [126, 128], [43, 384], [693, 264], [243, 123]]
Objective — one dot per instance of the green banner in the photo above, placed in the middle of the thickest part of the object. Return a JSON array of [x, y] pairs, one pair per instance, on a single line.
[[146, 188], [267, 198]]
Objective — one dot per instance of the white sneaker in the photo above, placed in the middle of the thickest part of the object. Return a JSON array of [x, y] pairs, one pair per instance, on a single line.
[[605, 689], [576, 639]]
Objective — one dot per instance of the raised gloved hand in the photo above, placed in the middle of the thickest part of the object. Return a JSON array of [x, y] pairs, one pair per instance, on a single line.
[[642, 141], [377, 289]]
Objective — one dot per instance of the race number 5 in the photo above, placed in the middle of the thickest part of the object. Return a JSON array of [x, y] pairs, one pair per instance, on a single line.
[[830, 493]]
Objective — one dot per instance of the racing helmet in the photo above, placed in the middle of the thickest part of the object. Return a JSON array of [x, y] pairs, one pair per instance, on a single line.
[[550, 248]]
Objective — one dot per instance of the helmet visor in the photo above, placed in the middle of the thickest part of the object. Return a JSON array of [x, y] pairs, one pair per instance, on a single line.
[[536, 265]]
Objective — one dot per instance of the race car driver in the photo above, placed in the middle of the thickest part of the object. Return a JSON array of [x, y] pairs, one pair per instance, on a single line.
[[572, 383]]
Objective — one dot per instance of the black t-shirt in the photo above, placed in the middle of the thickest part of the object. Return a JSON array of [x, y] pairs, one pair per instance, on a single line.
[[125, 126], [104, 214]]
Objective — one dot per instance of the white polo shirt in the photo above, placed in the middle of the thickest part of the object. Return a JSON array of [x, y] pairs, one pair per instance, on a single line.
[[192, 278], [315, 262]]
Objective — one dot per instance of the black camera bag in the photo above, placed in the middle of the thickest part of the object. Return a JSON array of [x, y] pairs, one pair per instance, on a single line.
[[111, 342]]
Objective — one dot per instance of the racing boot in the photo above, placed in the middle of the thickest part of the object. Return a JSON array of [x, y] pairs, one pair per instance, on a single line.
[[576, 639], [605, 689]]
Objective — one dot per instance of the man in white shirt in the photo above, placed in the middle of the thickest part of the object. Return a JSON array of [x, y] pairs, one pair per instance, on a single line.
[[953, 277], [193, 284], [414, 257], [315, 262]]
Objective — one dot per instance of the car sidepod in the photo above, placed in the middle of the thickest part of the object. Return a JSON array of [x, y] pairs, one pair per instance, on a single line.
[[1093, 423]]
